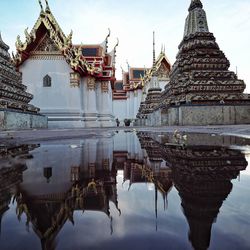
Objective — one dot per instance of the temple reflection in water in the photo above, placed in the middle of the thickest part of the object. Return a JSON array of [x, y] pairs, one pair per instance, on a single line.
[[51, 181]]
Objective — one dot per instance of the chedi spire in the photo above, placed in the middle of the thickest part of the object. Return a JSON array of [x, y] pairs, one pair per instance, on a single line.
[[196, 20], [200, 74], [195, 4]]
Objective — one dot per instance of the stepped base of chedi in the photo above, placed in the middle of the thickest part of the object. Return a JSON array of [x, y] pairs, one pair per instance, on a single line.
[[15, 110], [202, 90]]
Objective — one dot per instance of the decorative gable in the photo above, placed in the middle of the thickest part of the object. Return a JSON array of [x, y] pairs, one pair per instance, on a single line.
[[163, 72], [46, 45]]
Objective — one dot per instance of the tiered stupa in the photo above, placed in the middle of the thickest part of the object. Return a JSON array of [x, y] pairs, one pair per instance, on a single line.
[[15, 110], [202, 90], [151, 98]]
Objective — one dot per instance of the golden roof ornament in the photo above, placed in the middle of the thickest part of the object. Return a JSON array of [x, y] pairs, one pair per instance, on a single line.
[[41, 6], [47, 6], [113, 53], [68, 40], [104, 44], [19, 44], [27, 35]]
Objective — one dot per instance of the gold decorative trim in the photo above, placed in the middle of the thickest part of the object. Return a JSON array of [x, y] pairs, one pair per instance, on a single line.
[[105, 87], [105, 163], [91, 84], [47, 57], [74, 80]]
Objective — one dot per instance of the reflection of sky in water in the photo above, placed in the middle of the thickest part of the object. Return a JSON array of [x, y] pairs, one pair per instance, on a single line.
[[136, 227]]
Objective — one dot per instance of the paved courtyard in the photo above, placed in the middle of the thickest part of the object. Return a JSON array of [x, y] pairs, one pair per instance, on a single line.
[[55, 134]]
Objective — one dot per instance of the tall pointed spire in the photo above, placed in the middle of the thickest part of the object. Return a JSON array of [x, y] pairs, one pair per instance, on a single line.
[[196, 20], [154, 65], [153, 48], [195, 4]]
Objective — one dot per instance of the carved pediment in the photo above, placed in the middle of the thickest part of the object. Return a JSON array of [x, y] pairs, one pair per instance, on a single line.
[[163, 71], [46, 45]]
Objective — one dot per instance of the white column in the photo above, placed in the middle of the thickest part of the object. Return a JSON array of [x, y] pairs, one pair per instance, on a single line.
[[106, 117], [90, 114]]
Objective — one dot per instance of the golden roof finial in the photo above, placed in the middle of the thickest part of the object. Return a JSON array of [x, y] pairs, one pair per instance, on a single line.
[[106, 40], [117, 42], [19, 43], [47, 6], [27, 35], [128, 65], [108, 34], [40, 3]]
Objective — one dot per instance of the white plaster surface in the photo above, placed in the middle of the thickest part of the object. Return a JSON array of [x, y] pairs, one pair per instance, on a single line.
[[66, 106]]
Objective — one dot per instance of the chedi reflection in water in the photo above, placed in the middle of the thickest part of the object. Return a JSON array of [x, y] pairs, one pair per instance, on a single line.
[[202, 175], [51, 181]]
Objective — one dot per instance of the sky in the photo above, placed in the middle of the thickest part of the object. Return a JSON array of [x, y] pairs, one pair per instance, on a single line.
[[133, 22]]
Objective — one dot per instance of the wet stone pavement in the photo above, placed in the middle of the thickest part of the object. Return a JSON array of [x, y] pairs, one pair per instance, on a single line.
[[127, 189]]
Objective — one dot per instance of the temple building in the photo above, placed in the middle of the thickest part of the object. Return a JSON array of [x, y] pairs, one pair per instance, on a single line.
[[15, 110], [72, 84], [156, 80], [134, 95], [202, 91]]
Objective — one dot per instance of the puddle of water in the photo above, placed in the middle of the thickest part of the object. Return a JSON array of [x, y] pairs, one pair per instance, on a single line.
[[126, 191]]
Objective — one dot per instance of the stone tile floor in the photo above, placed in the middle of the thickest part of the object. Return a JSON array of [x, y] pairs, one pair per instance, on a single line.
[[54, 134]]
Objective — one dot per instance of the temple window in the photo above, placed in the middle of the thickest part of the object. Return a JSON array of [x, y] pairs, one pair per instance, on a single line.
[[118, 85], [138, 74], [47, 81], [90, 52], [75, 173]]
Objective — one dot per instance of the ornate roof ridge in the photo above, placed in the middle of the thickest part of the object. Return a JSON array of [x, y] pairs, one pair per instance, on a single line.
[[72, 53]]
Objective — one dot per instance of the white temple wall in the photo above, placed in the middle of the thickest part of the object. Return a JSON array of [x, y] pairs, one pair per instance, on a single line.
[[137, 102], [60, 102], [110, 100], [99, 100], [131, 105], [121, 141], [120, 110], [136, 107], [60, 96]]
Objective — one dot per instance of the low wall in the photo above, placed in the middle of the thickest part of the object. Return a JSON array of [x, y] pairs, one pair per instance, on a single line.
[[199, 115], [13, 120]]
